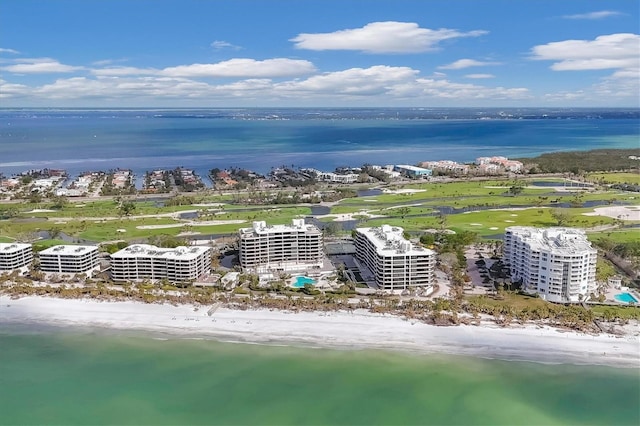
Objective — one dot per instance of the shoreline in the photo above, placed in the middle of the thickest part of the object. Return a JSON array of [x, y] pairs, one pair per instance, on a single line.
[[359, 330]]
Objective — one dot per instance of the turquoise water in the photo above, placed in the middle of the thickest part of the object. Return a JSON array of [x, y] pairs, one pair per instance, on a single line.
[[626, 298], [77, 377], [301, 281]]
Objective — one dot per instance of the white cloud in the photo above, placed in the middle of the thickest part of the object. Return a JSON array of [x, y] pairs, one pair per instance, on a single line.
[[427, 88], [479, 76], [594, 15], [244, 68], [221, 44], [604, 52], [381, 37], [39, 66], [376, 85], [466, 63], [8, 90], [375, 80], [2, 50], [105, 62], [124, 71]]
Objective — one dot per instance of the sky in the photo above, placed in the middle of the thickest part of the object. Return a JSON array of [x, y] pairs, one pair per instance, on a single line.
[[306, 53]]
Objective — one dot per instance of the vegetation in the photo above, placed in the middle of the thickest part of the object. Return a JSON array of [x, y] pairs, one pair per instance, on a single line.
[[578, 162]]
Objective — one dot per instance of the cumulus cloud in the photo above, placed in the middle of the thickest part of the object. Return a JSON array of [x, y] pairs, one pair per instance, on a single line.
[[244, 68], [3, 50], [479, 76], [375, 80], [8, 90], [221, 44], [123, 71], [376, 85], [594, 15], [381, 37], [614, 51], [604, 52], [38, 66], [466, 63]]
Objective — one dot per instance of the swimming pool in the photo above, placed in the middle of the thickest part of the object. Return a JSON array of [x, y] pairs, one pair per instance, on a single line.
[[302, 280], [625, 298]]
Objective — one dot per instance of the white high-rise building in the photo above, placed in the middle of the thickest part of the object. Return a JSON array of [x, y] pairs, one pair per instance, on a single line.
[[69, 259], [142, 261], [559, 264], [14, 256], [267, 248], [392, 261]]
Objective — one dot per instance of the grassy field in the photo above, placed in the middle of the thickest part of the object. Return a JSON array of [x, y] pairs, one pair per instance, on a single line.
[[630, 178], [479, 207]]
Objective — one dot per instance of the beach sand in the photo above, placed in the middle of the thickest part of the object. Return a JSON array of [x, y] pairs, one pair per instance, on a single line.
[[342, 330]]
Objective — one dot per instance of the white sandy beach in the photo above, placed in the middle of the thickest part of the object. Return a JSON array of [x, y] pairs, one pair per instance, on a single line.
[[359, 330]]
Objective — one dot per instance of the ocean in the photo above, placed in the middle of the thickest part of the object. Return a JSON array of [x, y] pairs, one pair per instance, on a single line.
[[259, 139], [83, 376]]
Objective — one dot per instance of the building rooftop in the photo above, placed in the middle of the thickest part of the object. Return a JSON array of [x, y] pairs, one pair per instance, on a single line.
[[261, 228], [565, 241], [69, 250], [389, 240], [13, 247], [147, 250], [412, 168]]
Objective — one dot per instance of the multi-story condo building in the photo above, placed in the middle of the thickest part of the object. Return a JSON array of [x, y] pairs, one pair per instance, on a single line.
[[69, 259], [295, 247], [143, 261], [15, 256], [393, 262], [559, 264]]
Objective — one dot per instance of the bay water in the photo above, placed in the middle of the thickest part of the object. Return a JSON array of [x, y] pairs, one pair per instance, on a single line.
[[259, 139], [84, 376]]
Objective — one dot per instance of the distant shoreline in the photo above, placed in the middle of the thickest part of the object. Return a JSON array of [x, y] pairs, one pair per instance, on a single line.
[[332, 330]]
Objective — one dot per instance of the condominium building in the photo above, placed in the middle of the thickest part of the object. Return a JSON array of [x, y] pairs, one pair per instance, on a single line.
[[393, 262], [559, 264], [266, 248], [143, 261], [69, 259], [15, 256]]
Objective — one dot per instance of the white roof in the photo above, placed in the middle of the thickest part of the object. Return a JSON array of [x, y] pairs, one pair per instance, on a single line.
[[147, 250], [389, 240], [565, 241], [69, 250], [13, 247], [412, 168], [261, 228]]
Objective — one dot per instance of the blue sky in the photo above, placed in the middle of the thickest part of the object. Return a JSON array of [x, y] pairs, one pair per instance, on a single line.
[[230, 53]]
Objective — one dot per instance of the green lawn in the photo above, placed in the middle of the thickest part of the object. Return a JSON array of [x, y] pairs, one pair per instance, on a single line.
[[630, 178]]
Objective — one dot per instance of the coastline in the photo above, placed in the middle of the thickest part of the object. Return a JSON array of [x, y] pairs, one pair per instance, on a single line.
[[333, 330]]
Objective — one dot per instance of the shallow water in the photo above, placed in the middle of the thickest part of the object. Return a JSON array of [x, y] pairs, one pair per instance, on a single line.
[[79, 376]]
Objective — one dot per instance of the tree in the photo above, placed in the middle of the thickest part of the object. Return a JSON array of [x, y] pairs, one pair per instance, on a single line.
[[403, 211], [126, 208], [561, 217], [332, 228], [516, 188]]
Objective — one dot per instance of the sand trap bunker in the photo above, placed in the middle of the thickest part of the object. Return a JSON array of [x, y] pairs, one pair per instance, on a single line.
[[617, 212]]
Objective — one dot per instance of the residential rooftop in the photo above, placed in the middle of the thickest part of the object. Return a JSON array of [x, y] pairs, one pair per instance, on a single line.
[[565, 241], [389, 240], [13, 247], [147, 250], [68, 250]]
